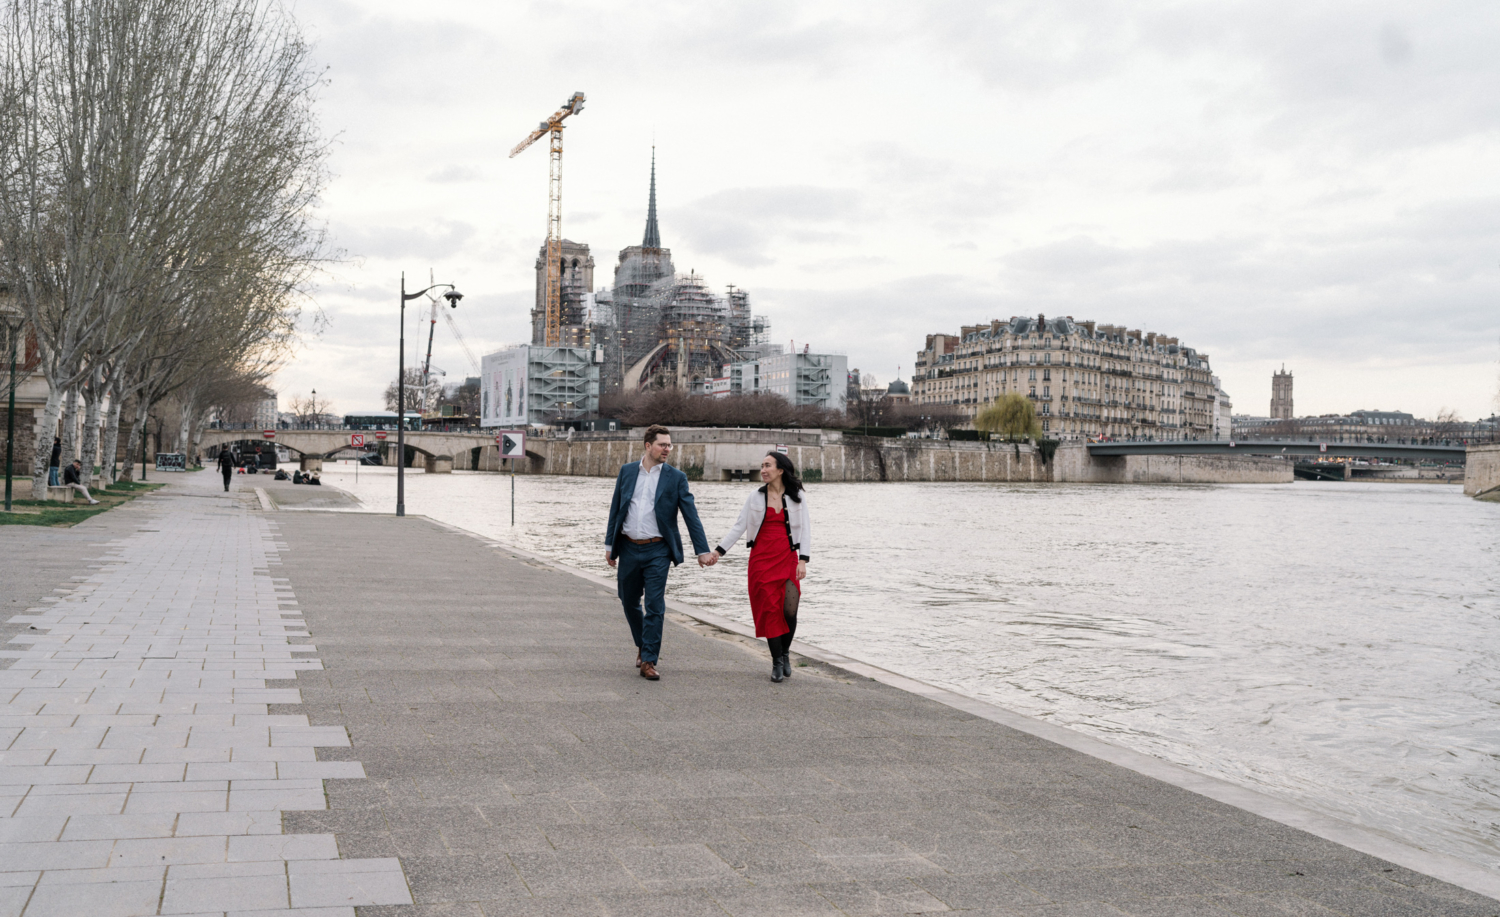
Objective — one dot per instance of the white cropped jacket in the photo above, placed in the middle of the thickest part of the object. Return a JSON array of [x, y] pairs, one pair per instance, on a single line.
[[798, 524]]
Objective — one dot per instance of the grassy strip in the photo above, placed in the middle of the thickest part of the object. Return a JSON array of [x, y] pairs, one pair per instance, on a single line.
[[45, 512]]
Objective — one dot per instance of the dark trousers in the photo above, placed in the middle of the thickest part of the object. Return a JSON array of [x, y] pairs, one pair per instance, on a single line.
[[643, 571], [227, 473]]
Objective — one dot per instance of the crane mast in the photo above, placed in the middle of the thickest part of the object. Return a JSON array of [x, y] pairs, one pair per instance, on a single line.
[[553, 126]]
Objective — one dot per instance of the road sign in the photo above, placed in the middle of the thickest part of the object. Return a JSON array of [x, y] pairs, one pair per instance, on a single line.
[[268, 434], [356, 439], [381, 435], [512, 443], [1322, 447], [781, 447]]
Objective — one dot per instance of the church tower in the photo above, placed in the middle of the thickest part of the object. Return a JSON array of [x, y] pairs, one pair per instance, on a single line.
[[1281, 395]]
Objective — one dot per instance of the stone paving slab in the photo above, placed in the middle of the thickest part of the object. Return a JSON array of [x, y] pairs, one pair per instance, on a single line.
[[142, 770], [516, 764]]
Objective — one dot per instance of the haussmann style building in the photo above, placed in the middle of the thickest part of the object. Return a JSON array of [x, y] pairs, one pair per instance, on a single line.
[[1087, 380]]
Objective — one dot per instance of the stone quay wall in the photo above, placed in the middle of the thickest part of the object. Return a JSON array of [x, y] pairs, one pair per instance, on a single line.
[[1073, 463], [726, 455], [715, 454], [1482, 469]]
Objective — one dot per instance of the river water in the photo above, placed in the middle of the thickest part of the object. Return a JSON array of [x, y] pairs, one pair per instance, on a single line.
[[1333, 644]]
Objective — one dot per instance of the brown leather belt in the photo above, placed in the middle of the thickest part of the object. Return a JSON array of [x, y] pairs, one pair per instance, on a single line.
[[643, 540]]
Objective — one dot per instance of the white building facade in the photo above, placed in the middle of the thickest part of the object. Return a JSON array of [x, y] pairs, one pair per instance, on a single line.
[[1223, 416], [536, 385], [815, 379]]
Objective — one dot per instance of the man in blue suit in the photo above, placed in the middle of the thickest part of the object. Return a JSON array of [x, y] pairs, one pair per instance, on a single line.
[[644, 541]]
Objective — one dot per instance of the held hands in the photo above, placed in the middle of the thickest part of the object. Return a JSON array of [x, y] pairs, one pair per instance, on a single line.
[[709, 559]]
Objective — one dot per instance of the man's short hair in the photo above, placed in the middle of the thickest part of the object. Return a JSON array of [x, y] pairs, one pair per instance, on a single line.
[[655, 430]]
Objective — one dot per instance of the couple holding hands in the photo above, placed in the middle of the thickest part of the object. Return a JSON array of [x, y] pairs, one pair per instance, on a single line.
[[643, 544]]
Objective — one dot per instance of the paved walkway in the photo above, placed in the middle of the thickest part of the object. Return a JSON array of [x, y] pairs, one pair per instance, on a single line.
[[141, 771], [518, 765], [469, 737]]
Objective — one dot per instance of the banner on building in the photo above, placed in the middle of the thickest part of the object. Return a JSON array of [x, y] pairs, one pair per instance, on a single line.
[[502, 388]]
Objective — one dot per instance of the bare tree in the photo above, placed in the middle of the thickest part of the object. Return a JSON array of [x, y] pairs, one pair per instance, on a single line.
[[310, 409], [157, 161], [1449, 424], [464, 397], [415, 390]]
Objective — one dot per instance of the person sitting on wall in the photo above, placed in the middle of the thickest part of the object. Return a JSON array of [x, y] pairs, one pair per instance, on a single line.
[[314, 479], [297, 477], [72, 478], [281, 475]]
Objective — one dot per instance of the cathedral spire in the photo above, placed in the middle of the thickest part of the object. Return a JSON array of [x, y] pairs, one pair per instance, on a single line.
[[653, 235]]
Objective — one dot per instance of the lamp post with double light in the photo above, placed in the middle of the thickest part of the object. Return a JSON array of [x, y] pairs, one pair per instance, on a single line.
[[453, 296]]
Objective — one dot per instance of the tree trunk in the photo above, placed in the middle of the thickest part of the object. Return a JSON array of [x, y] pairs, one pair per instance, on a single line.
[[41, 454], [127, 467], [69, 430], [93, 401], [185, 427], [137, 423], [111, 435], [198, 440]]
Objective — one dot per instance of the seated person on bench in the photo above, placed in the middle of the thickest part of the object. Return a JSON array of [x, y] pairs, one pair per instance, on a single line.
[[71, 478]]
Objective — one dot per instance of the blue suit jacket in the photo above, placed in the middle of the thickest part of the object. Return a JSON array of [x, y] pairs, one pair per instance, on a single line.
[[671, 496]]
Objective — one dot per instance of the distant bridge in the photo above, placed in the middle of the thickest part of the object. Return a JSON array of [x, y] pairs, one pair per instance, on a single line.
[[1452, 454], [327, 444]]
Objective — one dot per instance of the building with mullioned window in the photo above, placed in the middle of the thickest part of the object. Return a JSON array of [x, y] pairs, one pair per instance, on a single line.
[[1087, 380]]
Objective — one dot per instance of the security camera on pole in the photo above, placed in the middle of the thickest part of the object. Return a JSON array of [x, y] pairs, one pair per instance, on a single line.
[[453, 296]]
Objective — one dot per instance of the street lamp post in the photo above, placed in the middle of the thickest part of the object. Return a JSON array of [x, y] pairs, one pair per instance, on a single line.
[[453, 296]]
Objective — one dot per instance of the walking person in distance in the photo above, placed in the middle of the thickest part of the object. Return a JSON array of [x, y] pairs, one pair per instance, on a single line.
[[226, 467], [778, 531], [643, 540]]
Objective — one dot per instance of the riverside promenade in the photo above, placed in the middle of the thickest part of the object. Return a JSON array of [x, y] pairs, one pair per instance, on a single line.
[[224, 709]]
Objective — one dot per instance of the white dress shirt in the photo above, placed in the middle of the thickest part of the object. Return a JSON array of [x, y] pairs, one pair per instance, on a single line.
[[640, 517]]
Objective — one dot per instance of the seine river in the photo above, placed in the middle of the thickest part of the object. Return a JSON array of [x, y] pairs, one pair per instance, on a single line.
[[1336, 644]]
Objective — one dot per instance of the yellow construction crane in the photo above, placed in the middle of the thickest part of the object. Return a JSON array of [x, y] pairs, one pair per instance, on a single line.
[[554, 126]]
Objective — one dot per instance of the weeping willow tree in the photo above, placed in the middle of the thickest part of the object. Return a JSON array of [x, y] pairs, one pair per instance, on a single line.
[[1012, 416]]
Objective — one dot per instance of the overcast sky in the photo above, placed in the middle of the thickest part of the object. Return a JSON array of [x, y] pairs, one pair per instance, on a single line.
[[1302, 183]]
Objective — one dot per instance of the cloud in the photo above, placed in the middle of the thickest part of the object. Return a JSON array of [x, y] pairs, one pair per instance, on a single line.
[[453, 174], [1266, 180], [437, 239], [743, 225]]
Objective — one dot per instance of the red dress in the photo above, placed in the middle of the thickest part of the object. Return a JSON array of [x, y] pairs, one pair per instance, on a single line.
[[772, 563]]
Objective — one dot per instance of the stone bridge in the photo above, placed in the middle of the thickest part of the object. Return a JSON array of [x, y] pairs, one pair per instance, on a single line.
[[1434, 452], [440, 451]]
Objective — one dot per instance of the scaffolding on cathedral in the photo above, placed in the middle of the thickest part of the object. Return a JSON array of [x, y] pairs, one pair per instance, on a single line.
[[658, 327]]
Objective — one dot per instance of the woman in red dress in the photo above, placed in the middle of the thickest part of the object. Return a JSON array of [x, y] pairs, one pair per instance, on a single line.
[[775, 521]]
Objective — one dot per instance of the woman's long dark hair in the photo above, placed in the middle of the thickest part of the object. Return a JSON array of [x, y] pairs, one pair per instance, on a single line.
[[789, 479]]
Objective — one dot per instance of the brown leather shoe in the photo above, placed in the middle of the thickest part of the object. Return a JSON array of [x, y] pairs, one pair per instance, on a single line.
[[648, 670]]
